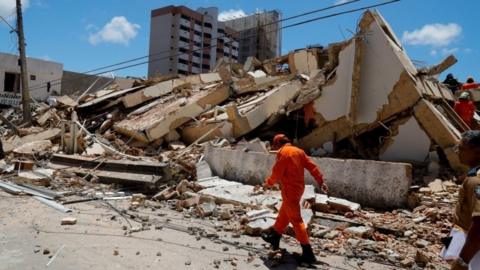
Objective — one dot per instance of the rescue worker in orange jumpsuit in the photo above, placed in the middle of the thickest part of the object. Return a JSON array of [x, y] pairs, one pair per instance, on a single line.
[[465, 108], [288, 171], [470, 84]]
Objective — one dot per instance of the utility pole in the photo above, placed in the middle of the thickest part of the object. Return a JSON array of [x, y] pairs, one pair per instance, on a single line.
[[27, 116]]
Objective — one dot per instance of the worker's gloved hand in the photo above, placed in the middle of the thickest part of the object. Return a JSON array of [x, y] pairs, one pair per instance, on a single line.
[[324, 188]]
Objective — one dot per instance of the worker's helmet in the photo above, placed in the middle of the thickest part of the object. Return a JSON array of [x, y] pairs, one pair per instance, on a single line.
[[470, 79], [280, 139], [464, 95]]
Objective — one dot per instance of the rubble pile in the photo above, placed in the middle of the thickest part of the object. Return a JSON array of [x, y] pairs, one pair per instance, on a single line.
[[151, 144]]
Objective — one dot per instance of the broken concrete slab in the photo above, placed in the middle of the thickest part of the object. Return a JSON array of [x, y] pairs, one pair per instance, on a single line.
[[159, 120], [105, 98], [392, 180], [241, 119], [31, 148], [303, 61], [409, 133], [48, 134], [203, 170], [149, 93]]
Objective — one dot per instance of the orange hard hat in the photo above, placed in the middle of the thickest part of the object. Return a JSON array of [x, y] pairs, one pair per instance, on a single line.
[[280, 139]]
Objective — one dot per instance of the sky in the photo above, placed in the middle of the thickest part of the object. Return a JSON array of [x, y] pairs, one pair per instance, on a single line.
[[88, 34]]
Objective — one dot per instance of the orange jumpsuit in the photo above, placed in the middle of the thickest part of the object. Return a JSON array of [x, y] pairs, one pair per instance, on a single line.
[[466, 110], [289, 172]]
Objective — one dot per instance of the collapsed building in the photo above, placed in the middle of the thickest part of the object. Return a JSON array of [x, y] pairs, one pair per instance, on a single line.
[[359, 107]]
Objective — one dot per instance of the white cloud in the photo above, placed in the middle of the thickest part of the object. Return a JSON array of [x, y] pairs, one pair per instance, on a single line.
[[7, 8], [231, 14], [437, 35], [119, 31], [338, 2], [447, 51]]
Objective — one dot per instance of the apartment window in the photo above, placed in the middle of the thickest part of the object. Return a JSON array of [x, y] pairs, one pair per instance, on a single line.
[[197, 33], [205, 66], [12, 82], [198, 44], [197, 65], [185, 17], [207, 35], [33, 77], [206, 56], [209, 25], [183, 61], [199, 23], [221, 31], [184, 39], [183, 72], [182, 50], [196, 54], [183, 27]]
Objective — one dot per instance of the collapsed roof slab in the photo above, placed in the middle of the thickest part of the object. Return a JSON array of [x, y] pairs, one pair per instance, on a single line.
[[440, 130], [371, 183], [242, 118], [166, 87], [158, 121], [387, 83], [410, 143]]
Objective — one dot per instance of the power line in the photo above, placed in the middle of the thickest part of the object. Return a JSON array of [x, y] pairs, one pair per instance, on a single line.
[[284, 27], [7, 23], [219, 37]]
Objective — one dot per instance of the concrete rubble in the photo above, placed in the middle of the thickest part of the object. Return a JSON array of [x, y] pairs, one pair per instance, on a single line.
[[382, 132]]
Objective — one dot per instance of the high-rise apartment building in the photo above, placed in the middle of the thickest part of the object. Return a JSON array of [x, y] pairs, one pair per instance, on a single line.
[[260, 35], [185, 41]]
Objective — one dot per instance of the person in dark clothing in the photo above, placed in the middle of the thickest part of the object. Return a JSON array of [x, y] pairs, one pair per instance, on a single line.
[[452, 83]]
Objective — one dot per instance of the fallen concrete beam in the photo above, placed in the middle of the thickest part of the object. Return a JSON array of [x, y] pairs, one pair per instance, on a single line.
[[370, 183], [303, 61], [156, 168], [123, 178], [158, 121], [149, 93], [439, 68]]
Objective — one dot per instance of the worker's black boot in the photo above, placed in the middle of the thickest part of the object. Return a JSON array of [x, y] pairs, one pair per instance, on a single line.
[[307, 255], [273, 238]]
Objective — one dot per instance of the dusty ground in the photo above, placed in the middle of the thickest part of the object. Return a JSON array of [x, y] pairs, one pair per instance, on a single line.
[[28, 228]]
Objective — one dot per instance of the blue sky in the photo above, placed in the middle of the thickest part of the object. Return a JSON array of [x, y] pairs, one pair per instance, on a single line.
[[87, 34]]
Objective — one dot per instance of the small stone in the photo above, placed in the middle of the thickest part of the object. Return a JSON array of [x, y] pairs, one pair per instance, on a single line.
[[225, 249], [46, 251], [158, 227], [138, 253], [36, 250], [69, 221], [159, 254], [188, 262], [202, 247], [422, 243], [408, 233], [115, 252]]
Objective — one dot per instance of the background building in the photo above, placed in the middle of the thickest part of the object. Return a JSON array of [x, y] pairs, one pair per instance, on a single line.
[[40, 72], [185, 41], [260, 35]]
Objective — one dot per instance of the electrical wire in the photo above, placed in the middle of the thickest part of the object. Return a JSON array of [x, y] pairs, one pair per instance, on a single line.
[[186, 47], [7, 23], [201, 49]]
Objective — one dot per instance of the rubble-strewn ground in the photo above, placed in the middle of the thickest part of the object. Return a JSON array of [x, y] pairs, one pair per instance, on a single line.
[[29, 229]]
